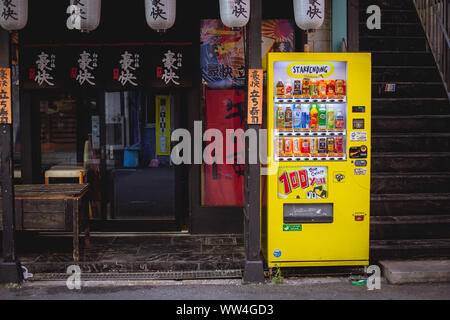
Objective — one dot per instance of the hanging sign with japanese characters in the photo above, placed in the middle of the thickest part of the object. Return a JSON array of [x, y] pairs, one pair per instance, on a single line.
[[5, 95], [124, 67], [112, 66], [222, 58], [172, 66], [255, 92], [43, 68], [84, 67]]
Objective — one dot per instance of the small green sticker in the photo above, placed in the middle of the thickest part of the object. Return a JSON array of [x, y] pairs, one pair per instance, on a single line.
[[292, 227]]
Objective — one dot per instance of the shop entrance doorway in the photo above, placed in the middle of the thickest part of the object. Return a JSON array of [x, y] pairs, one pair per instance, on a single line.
[[119, 143]]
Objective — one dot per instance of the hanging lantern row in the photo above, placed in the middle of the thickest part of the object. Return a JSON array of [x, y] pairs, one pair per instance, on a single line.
[[309, 14], [13, 14], [84, 15], [160, 14]]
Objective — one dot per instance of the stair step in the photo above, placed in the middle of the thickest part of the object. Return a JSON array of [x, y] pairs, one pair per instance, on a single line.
[[392, 15], [401, 43], [410, 162], [405, 73], [409, 90], [409, 182], [393, 29], [409, 227], [387, 4], [411, 123], [388, 220], [409, 204], [413, 248], [411, 142], [402, 58], [405, 106]]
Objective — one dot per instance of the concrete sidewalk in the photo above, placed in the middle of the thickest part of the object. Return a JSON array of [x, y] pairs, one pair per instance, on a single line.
[[290, 289]]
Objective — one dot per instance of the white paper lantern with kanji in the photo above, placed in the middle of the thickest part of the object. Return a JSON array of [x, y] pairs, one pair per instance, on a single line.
[[13, 14], [235, 13], [309, 14], [160, 14], [84, 14]]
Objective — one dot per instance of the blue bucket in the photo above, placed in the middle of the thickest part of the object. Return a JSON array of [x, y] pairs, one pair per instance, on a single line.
[[131, 157]]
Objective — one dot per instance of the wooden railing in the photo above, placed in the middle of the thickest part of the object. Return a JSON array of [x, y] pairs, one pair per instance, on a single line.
[[435, 18]]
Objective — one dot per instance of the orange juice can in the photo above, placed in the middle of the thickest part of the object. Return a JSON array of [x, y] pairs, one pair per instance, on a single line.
[[296, 146], [279, 147], [288, 146], [340, 87]]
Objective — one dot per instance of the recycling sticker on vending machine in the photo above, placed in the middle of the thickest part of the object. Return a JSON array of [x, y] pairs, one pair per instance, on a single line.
[[303, 182]]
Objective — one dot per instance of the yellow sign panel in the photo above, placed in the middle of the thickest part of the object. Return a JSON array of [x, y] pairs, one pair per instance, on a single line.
[[310, 69], [303, 182], [162, 125], [5, 95]]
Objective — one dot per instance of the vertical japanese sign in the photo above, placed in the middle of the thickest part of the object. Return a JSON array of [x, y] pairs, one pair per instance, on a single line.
[[5, 95], [162, 125], [255, 92]]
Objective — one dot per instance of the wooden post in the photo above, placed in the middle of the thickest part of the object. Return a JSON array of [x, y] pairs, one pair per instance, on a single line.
[[10, 270], [353, 26], [253, 271]]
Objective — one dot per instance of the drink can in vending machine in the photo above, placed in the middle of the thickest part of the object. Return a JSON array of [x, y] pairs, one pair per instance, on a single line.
[[313, 146], [322, 145], [339, 145], [330, 144], [305, 147], [296, 146], [287, 147], [279, 147], [297, 88]]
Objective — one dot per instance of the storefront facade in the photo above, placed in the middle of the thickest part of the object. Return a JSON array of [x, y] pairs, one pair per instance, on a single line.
[[102, 108], [108, 100]]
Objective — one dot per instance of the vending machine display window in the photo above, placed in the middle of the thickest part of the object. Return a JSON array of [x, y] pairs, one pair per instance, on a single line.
[[310, 110]]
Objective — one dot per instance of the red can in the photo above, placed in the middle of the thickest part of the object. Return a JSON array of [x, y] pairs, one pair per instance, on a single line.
[[306, 146], [339, 145]]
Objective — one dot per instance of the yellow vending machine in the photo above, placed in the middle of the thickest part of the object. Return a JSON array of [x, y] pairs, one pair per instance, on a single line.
[[316, 200]]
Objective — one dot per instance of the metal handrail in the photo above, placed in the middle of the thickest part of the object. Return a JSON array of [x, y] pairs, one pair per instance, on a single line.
[[435, 18]]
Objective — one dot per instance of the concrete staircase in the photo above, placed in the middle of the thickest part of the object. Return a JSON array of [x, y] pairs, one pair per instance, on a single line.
[[410, 201]]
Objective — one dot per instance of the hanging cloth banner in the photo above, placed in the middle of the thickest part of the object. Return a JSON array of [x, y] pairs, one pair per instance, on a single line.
[[5, 95]]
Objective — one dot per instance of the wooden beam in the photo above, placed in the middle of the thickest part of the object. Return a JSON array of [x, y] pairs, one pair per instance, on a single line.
[[353, 25], [253, 271], [9, 267]]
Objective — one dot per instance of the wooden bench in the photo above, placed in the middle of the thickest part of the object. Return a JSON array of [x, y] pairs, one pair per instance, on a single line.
[[53, 207], [63, 171]]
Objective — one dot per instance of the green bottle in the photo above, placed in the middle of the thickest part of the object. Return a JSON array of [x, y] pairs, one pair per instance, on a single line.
[[322, 116]]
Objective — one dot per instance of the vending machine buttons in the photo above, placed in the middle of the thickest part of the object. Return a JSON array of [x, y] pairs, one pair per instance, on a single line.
[[361, 163], [358, 124], [358, 109], [358, 152]]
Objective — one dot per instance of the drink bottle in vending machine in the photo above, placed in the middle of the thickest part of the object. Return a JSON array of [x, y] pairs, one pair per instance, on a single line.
[[313, 117], [322, 116]]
